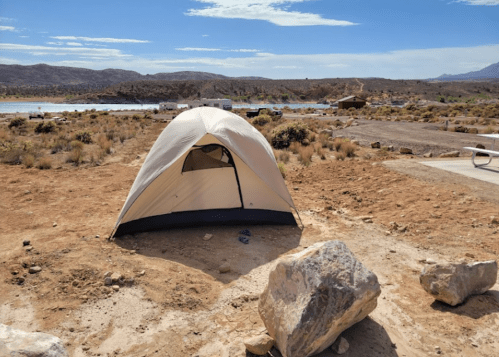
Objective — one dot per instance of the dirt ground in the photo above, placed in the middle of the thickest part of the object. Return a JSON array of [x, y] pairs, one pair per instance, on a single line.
[[172, 300]]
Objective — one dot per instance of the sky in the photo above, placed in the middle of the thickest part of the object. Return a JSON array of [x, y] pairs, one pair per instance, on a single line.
[[278, 39]]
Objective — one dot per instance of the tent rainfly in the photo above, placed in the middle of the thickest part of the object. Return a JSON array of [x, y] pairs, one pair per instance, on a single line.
[[208, 167]]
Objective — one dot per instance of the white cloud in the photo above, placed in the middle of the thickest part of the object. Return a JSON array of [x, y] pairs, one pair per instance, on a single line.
[[274, 11], [24, 36], [93, 39], [244, 50], [481, 2], [55, 43], [7, 28], [205, 35], [200, 49], [73, 44], [60, 51]]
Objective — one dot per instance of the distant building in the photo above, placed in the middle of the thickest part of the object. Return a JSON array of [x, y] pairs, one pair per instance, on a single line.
[[168, 106], [351, 102], [225, 104]]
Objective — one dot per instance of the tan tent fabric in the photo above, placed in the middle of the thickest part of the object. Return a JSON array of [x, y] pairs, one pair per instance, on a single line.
[[161, 187]]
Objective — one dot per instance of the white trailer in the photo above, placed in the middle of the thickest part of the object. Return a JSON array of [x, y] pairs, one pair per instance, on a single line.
[[168, 106]]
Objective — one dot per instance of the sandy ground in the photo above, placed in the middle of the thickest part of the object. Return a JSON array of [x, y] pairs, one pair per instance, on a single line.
[[172, 301]]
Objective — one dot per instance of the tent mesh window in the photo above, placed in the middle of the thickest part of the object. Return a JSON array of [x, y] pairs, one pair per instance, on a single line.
[[208, 157]]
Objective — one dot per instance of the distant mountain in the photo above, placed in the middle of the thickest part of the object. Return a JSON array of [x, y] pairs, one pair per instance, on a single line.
[[43, 75], [490, 72]]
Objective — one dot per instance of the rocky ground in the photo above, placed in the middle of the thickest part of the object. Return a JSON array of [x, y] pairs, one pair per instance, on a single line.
[[169, 297]]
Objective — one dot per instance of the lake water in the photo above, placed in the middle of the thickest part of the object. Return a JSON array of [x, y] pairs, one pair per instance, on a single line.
[[26, 107]]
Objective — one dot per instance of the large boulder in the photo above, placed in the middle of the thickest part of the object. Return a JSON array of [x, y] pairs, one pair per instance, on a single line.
[[454, 283], [18, 343], [314, 295]]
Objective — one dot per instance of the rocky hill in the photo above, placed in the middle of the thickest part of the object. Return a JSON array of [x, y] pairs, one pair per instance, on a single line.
[[490, 72], [45, 75], [282, 91]]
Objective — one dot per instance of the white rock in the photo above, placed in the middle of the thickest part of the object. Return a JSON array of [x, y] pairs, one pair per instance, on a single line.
[[15, 342], [454, 283], [259, 345], [224, 268], [314, 295], [207, 236]]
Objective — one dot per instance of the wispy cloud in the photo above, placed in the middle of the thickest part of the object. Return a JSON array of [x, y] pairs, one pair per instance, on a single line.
[[55, 43], [95, 39], [7, 28], [61, 51], [481, 2], [203, 49], [24, 36], [73, 44], [200, 49], [274, 11], [205, 35]]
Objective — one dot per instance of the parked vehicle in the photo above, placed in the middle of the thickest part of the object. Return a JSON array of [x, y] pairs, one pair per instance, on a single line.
[[256, 112], [36, 115]]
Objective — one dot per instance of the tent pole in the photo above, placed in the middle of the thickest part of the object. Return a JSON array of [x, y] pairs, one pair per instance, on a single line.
[[303, 226]]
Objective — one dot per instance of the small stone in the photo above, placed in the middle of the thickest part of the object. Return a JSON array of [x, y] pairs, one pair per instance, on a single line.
[[35, 269], [29, 248], [494, 220], [376, 145], [54, 224], [207, 236], [259, 345], [141, 273], [340, 346], [393, 251], [116, 287], [469, 255], [430, 261], [428, 154], [405, 151], [26, 242], [108, 281], [115, 277], [224, 268], [450, 154], [391, 148], [97, 236], [106, 274], [71, 329]]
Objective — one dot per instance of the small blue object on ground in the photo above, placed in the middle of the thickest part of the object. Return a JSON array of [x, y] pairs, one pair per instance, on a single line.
[[246, 232], [244, 240]]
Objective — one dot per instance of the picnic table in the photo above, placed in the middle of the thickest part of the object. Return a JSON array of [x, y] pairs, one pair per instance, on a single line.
[[491, 153]]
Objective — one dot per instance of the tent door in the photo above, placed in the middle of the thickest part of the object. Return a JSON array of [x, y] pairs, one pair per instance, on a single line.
[[209, 180]]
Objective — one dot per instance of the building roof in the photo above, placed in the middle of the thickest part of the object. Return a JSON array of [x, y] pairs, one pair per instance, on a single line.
[[346, 99]]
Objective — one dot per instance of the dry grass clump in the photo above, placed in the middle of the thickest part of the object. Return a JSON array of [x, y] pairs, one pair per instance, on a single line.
[[305, 155], [282, 169], [323, 139], [320, 151], [76, 154], [340, 156], [45, 163], [348, 149], [294, 147], [489, 130], [28, 160], [105, 144], [282, 156]]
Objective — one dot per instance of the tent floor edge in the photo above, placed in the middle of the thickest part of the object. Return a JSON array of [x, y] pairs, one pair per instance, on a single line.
[[212, 217]]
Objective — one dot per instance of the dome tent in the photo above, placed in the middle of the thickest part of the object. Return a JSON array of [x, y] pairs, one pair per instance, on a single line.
[[207, 167]]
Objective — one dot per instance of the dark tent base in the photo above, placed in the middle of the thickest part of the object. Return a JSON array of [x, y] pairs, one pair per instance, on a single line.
[[215, 217]]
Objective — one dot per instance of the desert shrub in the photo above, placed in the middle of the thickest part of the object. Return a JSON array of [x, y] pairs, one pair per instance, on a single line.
[[155, 111], [76, 154], [4, 135], [136, 117], [261, 120], [48, 127], [147, 116], [323, 139], [337, 143], [13, 153], [44, 163], [294, 147], [93, 116], [28, 160], [488, 130], [281, 155], [339, 156], [348, 149], [285, 134], [320, 151], [17, 122], [282, 169], [60, 144], [83, 136], [110, 134], [105, 143], [312, 137], [305, 155]]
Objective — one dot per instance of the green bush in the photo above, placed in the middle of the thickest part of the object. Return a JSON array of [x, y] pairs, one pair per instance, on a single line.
[[284, 135], [262, 119], [17, 122], [48, 127], [84, 136]]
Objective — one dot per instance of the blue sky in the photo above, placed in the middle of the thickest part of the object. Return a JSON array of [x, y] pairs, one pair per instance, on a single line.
[[270, 38]]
